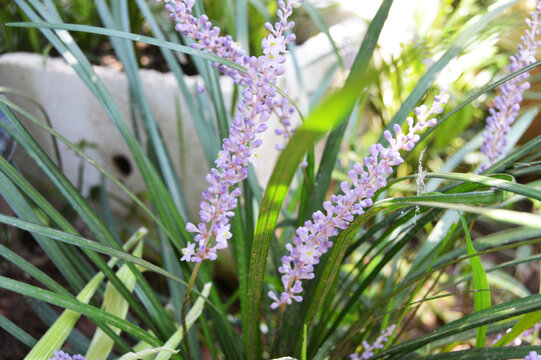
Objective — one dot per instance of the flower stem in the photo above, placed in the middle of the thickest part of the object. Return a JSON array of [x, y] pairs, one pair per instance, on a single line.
[[183, 309], [278, 326]]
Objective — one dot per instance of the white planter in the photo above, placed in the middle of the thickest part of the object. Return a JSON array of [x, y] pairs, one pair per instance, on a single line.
[[76, 114]]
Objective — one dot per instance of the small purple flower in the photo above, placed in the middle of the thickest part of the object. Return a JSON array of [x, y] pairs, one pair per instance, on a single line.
[[507, 104], [239, 149], [188, 252], [312, 240], [60, 355], [379, 343], [532, 356]]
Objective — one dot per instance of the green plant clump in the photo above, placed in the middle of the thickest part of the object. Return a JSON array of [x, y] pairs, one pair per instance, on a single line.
[[400, 220]]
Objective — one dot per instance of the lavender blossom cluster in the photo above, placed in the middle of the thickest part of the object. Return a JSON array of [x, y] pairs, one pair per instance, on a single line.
[[312, 240], [507, 104], [532, 356], [60, 355], [257, 103], [379, 343]]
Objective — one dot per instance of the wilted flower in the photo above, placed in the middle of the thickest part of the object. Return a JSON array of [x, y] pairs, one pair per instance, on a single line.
[[312, 240]]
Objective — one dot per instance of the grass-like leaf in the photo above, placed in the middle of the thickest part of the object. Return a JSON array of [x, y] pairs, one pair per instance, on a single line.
[[17, 332], [481, 295], [115, 304], [77, 306], [511, 352], [59, 331], [484, 317], [192, 316]]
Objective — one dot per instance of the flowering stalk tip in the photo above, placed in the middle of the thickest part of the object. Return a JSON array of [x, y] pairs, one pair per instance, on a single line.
[[507, 104], [239, 149], [312, 239], [379, 343]]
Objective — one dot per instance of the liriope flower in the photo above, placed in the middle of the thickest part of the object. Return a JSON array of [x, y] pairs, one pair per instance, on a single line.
[[239, 149], [507, 104], [312, 240], [60, 355], [532, 356], [207, 38], [379, 343]]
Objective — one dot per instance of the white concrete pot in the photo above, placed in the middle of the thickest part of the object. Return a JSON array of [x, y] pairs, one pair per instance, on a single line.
[[76, 114]]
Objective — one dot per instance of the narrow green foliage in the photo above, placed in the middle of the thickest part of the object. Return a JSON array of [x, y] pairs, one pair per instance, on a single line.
[[192, 316], [481, 295], [17, 332], [115, 304]]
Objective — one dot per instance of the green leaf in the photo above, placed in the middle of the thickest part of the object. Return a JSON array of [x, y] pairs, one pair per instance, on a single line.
[[31, 269], [86, 243], [74, 56], [525, 323], [129, 36], [507, 216], [19, 180], [113, 302], [144, 354], [503, 184], [164, 204], [487, 316], [20, 206], [17, 332], [74, 305], [511, 352], [241, 17], [192, 316], [58, 333], [125, 52], [41, 109], [207, 135], [481, 295]]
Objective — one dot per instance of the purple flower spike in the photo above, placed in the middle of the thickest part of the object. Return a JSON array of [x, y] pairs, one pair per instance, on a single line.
[[60, 355], [507, 104], [532, 356], [368, 349], [312, 240], [239, 149]]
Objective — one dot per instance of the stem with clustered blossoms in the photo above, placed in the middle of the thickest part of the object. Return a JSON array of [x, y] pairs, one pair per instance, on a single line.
[[507, 104], [206, 37], [379, 343], [239, 149], [257, 102], [312, 240]]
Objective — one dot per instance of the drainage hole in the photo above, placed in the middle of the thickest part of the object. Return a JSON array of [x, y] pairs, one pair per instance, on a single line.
[[122, 164]]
